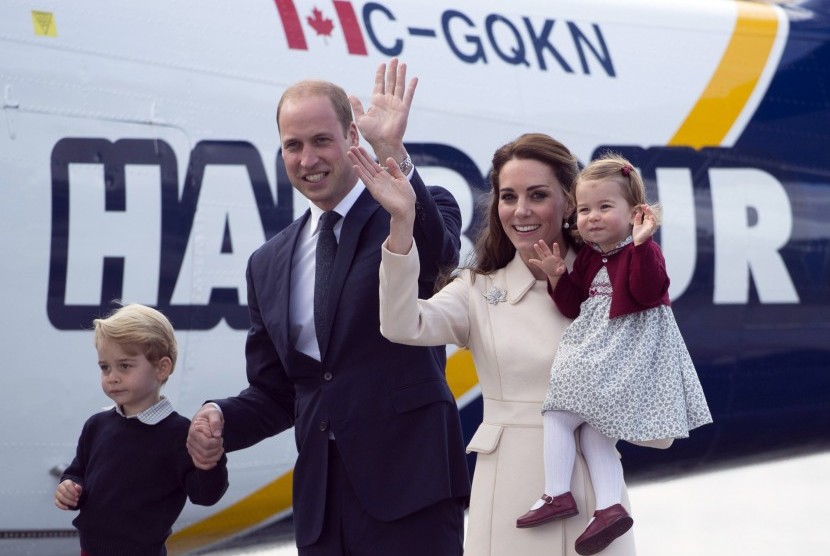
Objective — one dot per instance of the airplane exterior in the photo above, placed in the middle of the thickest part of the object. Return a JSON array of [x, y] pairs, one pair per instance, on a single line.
[[139, 160]]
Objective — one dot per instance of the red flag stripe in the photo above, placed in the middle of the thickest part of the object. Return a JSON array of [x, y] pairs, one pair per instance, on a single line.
[[351, 30], [291, 24]]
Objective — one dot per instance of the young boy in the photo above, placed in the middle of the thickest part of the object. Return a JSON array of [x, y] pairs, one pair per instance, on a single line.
[[132, 472]]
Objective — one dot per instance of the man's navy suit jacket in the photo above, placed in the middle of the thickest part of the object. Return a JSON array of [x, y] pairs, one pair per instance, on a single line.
[[388, 405]]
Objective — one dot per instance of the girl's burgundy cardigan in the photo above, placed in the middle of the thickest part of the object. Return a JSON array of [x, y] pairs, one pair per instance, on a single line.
[[638, 279]]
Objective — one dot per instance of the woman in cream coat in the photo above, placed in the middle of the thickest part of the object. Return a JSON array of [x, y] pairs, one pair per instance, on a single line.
[[500, 310]]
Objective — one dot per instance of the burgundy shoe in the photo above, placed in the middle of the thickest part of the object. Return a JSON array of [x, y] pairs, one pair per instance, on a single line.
[[608, 524], [555, 507]]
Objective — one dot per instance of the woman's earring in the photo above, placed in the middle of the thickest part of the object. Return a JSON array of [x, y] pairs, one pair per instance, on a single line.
[[566, 224]]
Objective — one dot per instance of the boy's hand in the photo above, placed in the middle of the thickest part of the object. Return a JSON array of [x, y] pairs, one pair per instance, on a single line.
[[68, 495], [204, 437], [202, 425]]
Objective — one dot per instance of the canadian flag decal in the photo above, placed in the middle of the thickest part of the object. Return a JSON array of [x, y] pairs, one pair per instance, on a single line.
[[321, 25]]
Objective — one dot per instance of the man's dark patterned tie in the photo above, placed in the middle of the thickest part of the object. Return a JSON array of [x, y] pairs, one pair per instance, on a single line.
[[326, 251]]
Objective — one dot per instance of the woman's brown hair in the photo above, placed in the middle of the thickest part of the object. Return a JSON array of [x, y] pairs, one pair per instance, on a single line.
[[493, 250]]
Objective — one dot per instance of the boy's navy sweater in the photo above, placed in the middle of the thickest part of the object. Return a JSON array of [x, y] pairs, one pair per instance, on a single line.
[[135, 480]]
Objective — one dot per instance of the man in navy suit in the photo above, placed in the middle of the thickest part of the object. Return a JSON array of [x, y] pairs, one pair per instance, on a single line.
[[381, 467]]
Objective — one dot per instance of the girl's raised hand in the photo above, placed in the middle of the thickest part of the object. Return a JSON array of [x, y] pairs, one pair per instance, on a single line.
[[549, 261], [645, 224]]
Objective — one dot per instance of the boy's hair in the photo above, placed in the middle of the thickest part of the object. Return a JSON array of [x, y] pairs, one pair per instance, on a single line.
[[612, 166], [140, 326]]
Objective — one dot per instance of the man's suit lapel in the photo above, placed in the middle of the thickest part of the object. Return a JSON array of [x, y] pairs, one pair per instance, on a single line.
[[353, 225], [280, 273]]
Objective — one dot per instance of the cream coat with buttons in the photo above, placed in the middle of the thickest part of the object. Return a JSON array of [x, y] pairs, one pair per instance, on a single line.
[[512, 328]]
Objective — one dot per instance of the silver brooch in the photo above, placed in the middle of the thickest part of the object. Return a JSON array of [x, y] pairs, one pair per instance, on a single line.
[[495, 295]]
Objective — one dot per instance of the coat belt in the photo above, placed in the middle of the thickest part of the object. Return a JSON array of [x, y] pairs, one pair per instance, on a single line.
[[508, 413]]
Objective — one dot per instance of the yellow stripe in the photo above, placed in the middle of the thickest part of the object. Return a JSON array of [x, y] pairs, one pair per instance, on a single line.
[[734, 79], [275, 497], [461, 372]]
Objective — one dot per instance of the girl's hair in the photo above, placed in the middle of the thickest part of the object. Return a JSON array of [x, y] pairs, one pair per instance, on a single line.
[[615, 167], [140, 326], [493, 250]]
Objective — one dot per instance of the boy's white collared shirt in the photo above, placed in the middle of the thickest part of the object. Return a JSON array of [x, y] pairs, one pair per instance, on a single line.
[[153, 415]]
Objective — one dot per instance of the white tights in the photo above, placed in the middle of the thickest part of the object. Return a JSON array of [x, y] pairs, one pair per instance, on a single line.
[[600, 456]]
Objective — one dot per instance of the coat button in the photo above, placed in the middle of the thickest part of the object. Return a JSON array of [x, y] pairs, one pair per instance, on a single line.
[[327, 376], [324, 426]]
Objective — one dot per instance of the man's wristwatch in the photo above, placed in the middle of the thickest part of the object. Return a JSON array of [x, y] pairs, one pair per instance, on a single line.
[[405, 165]]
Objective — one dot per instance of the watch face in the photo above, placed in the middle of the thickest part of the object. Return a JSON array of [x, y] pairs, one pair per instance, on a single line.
[[406, 165]]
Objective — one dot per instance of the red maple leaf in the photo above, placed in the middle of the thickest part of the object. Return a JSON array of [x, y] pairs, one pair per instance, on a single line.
[[322, 25]]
